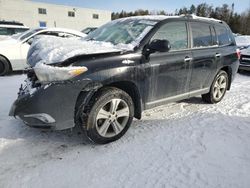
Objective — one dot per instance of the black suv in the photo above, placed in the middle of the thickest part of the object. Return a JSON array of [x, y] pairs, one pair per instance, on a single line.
[[134, 64]]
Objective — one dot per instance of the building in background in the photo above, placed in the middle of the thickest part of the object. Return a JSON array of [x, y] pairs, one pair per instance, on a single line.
[[36, 14]]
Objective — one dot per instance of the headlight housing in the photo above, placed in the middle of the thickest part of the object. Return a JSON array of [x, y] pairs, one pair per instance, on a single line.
[[47, 73]]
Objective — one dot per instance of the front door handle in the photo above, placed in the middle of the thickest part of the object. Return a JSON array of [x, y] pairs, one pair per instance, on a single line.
[[217, 55], [187, 59]]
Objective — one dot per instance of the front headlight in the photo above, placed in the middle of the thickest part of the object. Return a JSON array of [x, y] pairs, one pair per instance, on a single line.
[[47, 73]]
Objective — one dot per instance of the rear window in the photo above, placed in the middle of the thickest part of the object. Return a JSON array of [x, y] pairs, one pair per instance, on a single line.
[[223, 35], [201, 35]]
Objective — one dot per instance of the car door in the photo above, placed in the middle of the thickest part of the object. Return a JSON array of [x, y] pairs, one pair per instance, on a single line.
[[206, 55], [169, 71]]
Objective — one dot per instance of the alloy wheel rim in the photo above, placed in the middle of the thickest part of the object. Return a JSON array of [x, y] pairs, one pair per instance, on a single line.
[[220, 87], [112, 118]]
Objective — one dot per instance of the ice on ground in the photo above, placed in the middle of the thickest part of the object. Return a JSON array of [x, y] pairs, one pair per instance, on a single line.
[[179, 145]]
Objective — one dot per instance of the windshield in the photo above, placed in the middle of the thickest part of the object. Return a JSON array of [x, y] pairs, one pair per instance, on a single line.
[[123, 31], [26, 34]]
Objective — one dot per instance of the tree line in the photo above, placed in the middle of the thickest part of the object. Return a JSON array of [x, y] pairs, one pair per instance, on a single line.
[[238, 22]]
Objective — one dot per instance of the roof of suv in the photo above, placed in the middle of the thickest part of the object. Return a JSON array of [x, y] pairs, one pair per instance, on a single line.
[[162, 17]]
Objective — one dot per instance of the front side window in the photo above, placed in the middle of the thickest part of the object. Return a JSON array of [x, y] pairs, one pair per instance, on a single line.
[[175, 33], [42, 11], [223, 35], [201, 35]]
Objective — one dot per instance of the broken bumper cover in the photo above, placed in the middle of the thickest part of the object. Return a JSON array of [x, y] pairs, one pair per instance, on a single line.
[[51, 106]]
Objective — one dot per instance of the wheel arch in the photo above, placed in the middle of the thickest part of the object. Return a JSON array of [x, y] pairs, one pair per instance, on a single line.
[[228, 70], [132, 90], [127, 86]]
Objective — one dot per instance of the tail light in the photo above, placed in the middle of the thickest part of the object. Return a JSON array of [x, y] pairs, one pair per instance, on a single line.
[[238, 53]]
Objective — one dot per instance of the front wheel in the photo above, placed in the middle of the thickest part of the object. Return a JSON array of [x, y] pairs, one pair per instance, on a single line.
[[4, 66], [109, 116], [218, 88]]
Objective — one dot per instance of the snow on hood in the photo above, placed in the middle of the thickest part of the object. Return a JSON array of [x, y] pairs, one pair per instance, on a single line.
[[50, 49]]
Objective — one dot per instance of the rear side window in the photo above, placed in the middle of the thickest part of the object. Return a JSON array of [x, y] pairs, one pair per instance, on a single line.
[[175, 33], [223, 35], [20, 30], [6, 31], [201, 35]]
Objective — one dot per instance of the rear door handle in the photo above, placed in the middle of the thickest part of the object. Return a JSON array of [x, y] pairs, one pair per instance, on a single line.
[[187, 59], [217, 55]]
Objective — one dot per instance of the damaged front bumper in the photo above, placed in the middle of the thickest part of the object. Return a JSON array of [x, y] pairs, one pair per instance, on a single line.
[[48, 106]]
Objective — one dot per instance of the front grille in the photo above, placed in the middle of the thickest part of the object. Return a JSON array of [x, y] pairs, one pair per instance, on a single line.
[[245, 59]]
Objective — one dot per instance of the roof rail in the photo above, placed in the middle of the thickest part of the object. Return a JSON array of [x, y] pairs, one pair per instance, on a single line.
[[193, 16]]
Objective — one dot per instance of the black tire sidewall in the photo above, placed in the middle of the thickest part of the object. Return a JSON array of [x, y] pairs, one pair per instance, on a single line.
[[5, 65], [92, 132]]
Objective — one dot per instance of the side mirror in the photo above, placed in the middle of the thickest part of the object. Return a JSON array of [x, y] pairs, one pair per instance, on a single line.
[[30, 41], [159, 46]]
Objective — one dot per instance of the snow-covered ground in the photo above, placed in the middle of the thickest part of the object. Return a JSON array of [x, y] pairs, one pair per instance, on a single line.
[[185, 144]]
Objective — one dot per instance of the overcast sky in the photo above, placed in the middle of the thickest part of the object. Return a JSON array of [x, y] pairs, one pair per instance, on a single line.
[[130, 5]]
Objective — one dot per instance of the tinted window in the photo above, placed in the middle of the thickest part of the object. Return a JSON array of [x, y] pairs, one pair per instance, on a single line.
[[6, 31], [175, 33], [42, 11], [20, 30], [223, 36], [201, 35], [71, 14], [95, 16]]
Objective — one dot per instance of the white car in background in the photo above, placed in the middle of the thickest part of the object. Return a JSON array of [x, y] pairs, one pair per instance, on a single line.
[[13, 50], [10, 28], [242, 41], [243, 44]]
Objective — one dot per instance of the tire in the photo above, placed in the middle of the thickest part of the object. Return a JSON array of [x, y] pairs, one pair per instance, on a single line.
[[4, 66], [101, 120], [218, 88]]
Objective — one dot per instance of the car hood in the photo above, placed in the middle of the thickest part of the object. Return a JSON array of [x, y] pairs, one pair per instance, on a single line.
[[51, 50], [245, 51]]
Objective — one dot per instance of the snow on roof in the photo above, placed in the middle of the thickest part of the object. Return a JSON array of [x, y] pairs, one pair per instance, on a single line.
[[163, 17], [150, 17]]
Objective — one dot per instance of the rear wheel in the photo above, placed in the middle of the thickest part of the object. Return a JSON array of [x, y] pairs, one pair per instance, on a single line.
[[108, 115], [4, 66], [218, 88]]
